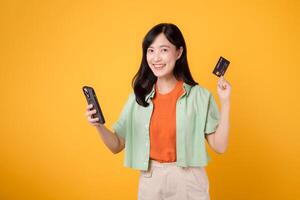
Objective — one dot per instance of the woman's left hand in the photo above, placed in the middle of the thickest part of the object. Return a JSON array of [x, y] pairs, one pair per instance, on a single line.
[[224, 90]]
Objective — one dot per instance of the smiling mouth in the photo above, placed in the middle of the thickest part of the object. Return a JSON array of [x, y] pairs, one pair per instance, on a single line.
[[158, 66]]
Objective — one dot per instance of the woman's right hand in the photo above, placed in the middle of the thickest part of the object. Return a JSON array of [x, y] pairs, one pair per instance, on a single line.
[[89, 112], [110, 139]]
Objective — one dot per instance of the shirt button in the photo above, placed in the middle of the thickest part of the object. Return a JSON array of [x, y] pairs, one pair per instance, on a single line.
[[146, 126]]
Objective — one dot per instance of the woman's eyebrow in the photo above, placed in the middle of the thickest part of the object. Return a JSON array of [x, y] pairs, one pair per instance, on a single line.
[[161, 46]]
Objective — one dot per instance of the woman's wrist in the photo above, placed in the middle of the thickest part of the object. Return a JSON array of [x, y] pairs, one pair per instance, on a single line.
[[225, 103]]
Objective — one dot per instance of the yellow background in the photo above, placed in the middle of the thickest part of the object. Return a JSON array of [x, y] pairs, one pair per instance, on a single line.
[[50, 49]]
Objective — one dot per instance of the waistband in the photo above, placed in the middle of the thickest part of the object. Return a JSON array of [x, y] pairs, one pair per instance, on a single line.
[[154, 163]]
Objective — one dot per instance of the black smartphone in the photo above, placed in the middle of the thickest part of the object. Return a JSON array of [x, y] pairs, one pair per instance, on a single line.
[[91, 98]]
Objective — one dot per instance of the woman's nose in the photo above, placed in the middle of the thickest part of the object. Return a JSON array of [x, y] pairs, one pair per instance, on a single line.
[[157, 57]]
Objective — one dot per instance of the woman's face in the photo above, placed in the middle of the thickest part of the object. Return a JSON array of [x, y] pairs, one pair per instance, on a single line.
[[162, 56]]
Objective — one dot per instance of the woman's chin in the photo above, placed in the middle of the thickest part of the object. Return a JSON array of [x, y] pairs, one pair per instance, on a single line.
[[162, 75]]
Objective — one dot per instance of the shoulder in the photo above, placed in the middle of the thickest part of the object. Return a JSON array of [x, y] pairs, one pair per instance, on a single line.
[[200, 92], [131, 98], [202, 96], [131, 95]]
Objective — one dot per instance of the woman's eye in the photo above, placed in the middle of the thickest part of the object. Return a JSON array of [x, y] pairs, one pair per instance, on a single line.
[[150, 50], [164, 50]]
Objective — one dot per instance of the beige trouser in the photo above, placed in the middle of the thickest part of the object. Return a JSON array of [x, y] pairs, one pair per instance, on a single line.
[[166, 181]]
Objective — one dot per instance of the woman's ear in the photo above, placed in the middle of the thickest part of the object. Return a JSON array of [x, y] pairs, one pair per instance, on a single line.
[[180, 50]]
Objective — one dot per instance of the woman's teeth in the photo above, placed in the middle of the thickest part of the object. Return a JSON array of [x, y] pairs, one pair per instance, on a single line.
[[159, 66]]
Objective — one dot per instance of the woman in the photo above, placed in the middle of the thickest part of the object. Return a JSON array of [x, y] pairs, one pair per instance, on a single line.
[[165, 121]]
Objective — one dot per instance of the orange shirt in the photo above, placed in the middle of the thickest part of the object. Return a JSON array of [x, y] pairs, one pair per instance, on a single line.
[[163, 125]]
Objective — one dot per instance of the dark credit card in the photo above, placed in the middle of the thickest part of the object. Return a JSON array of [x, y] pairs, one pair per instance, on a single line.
[[221, 67]]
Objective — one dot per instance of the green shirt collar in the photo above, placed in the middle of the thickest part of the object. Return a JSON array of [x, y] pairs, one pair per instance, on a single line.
[[186, 88]]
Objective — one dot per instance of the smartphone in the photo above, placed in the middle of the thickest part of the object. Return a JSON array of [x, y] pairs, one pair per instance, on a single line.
[[91, 98]]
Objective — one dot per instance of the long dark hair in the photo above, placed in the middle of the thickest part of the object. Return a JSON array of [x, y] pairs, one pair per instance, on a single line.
[[144, 79]]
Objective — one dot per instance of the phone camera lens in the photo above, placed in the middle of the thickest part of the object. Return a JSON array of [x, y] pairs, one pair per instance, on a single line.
[[86, 92]]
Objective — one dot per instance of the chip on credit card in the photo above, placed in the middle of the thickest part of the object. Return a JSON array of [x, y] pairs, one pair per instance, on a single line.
[[221, 67]]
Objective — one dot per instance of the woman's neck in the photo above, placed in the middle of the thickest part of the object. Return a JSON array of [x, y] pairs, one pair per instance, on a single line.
[[165, 85]]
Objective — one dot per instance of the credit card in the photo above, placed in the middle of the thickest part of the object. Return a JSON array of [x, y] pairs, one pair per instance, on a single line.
[[221, 67]]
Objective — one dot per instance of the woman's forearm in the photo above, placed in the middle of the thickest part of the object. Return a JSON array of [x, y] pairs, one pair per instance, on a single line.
[[109, 138], [222, 132]]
